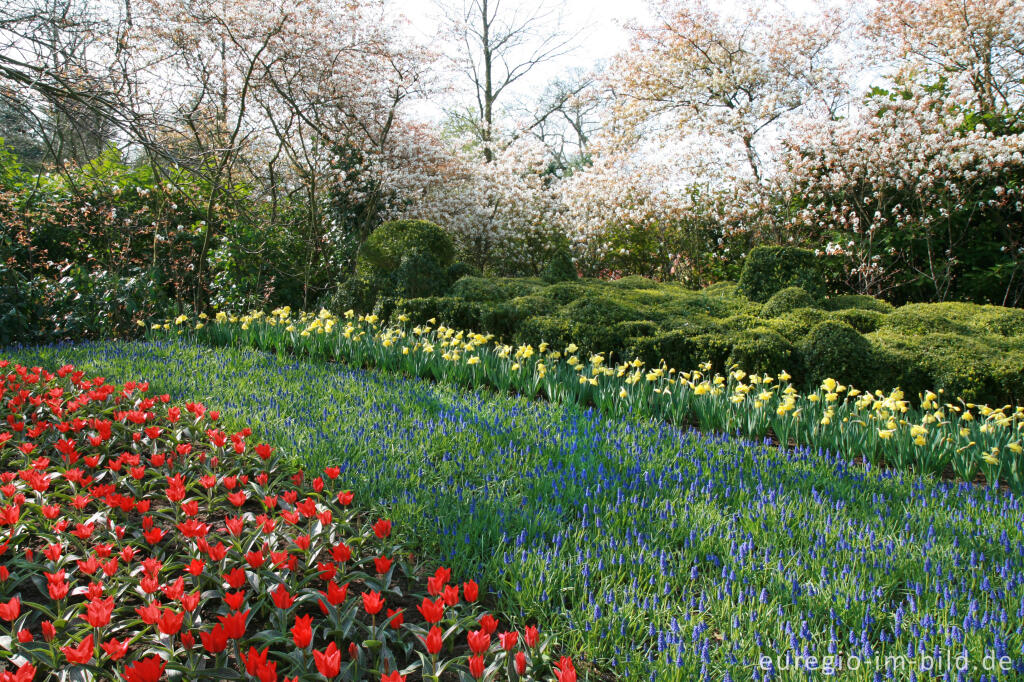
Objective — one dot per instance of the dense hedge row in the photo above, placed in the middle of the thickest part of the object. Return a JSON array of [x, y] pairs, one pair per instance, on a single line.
[[971, 351]]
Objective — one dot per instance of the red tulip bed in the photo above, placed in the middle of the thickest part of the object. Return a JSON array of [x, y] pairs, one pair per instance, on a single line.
[[143, 541]]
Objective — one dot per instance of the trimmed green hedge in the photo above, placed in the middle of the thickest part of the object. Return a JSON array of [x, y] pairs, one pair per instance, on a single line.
[[769, 269], [966, 350]]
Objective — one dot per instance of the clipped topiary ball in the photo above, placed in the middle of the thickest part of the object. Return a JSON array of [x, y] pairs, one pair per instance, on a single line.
[[386, 246], [786, 300], [835, 350], [559, 269], [418, 275], [762, 350], [769, 269]]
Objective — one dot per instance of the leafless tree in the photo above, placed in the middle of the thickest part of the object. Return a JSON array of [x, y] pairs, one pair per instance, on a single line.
[[498, 45]]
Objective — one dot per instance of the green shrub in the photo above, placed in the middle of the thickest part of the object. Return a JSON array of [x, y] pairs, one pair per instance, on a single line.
[[457, 271], [444, 310], [864, 321], [503, 319], [763, 350], [979, 369], [559, 269], [723, 288], [551, 328], [956, 318], [592, 322], [630, 331], [384, 249], [785, 300], [769, 269], [796, 324], [858, 302], [564, 292], [419, 310], [682, 351], [418, 275], [836, 350], [636, 282], [18, 307], [478, 289], [358, 293]]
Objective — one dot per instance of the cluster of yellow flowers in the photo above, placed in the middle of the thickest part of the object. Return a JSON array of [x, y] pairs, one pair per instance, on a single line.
[[958, 425]]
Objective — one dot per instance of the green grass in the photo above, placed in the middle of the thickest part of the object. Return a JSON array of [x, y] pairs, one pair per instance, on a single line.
[[658, 553]]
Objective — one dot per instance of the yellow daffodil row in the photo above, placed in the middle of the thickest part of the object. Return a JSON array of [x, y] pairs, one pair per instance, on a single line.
[[934, 436]]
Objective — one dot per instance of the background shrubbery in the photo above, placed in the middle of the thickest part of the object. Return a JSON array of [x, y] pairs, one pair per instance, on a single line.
[[971, 351]]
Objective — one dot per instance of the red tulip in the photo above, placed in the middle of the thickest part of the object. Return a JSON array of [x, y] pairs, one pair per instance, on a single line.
[[520, 663], [81, 653], [302, 631], [147, 670], [382, 564], [564, 670], [170, 622], [115, 649], [216, 640], [283, 599], [470, 590], [434, 640], [328, 662], [489, 623], [254, 659], [10, 610], [372, 602], [235, 579], [479, 641], [392, 677], [531, 635], [97, 613], [476, 666], [234, 624], [382, 528], [450, 594], [508, 640], [397, 617], [432, 611]]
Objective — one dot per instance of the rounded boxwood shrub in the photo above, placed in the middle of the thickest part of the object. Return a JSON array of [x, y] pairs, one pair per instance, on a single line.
[[785, 300], [858, 302], [836, 350], [358, 293], [593, 321], [457, 271], [769, 269], [559, 269], [796, 324], [419, 310], [926, 318], [763, 350], [418, 275], [503, 319], [551, 328], [636, 282], [564, 292], [384, 249], [478, 289], [681, 350], [864, 321]]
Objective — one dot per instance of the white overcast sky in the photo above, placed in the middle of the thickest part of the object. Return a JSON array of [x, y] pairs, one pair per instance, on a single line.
[[600, 24]]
